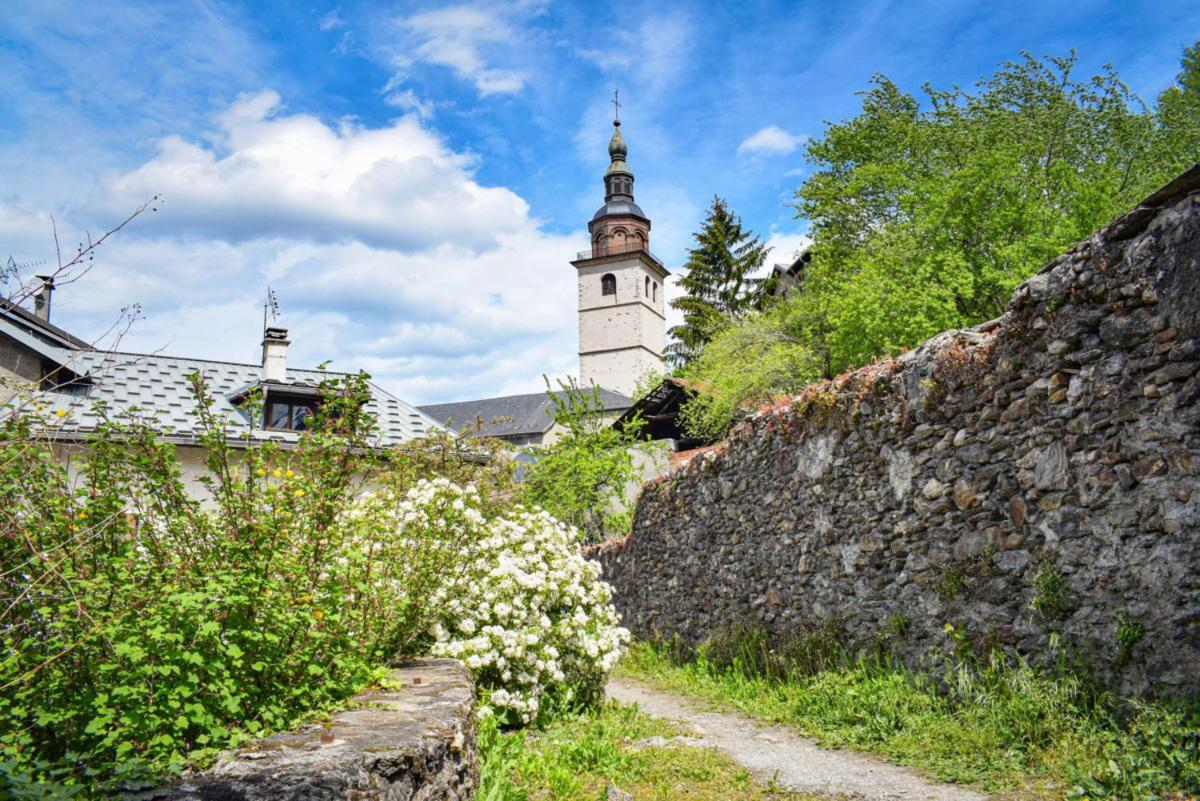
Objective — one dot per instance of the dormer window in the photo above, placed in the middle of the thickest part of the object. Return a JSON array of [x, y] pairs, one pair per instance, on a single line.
[[608, 284], [283, 412]]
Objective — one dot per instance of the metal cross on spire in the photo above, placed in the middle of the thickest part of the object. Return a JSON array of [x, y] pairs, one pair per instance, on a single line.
[[616, 106]]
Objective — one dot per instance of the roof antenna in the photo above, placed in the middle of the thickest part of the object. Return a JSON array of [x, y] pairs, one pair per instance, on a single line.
[[272, 306]]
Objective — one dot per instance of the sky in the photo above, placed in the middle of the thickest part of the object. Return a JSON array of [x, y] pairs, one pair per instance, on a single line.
[[413, 179]]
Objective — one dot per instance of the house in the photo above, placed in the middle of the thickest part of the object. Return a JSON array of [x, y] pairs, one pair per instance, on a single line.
[[658, 412], [78, 385], [787, 278], [32, 351], [521, 420]]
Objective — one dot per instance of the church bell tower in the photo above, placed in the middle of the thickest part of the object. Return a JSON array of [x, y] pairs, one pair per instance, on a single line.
[[622, 325]]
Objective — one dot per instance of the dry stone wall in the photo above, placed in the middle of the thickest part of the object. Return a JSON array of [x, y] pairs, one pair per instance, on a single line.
[[1037, 474], [413, 739]]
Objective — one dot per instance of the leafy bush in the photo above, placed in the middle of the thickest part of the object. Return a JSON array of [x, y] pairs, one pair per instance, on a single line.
[[525, 611], [141, 627], [582, 476], [748, 363]]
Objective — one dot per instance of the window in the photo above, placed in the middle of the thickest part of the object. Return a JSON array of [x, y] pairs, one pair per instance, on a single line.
[[608, 284], [647, 287], [656, 291], [285, 413]]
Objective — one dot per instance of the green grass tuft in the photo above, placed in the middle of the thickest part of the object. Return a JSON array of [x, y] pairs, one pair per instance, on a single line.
[[1003, 726]]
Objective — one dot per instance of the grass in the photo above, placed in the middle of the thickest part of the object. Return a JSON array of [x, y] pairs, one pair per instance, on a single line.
[[1004, 727], [577, 757]]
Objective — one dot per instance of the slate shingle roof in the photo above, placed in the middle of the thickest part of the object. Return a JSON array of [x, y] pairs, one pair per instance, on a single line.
[[511, 415], [157, 387]]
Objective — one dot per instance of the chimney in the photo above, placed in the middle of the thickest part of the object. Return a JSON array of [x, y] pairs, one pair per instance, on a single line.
[[41, 297], [274, 354]]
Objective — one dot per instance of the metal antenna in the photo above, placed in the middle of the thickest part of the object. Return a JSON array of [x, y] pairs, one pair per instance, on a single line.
[[616, 105], [272, 306]]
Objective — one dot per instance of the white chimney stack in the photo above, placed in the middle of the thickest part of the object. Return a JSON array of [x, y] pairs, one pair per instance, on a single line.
[[274, 354], [41, 297]]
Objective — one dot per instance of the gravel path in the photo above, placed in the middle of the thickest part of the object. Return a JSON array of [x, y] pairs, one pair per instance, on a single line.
[[792, 761]]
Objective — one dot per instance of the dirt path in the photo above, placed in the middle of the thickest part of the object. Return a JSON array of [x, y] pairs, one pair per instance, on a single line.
[[794, 762]]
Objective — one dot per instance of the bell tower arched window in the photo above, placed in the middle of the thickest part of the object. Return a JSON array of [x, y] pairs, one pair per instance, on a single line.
[[608, 284]]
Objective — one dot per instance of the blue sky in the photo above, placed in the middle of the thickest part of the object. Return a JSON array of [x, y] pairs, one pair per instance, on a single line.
[[413, 179]]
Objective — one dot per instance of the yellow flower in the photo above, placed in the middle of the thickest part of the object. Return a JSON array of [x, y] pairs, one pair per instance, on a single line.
[[61, 413], [318, 614], [287, 513], [289, 474], [277, 473], [83, 515], [298, 493], [262, 471]]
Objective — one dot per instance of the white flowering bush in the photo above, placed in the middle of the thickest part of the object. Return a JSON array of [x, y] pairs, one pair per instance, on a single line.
[[522, 608]]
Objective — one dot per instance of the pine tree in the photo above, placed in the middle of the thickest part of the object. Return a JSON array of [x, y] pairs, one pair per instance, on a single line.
[[719, 283]]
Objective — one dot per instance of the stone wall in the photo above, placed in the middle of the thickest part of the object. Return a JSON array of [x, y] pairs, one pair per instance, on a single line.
[[1039, 473], [412, 740]]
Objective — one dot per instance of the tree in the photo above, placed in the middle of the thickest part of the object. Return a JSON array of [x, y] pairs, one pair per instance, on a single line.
[[1179, 112], [581, 477], [926, 215], [748, 364], [719, 282]]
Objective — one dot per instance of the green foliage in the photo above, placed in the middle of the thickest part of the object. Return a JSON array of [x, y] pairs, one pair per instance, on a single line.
[[718, 283], [1159, 751], [142, 627], [1129, 634], [1001, 723], [747, 364], [582, 476], [951, 582], [927, 213], [745, 647], [1050, 592]]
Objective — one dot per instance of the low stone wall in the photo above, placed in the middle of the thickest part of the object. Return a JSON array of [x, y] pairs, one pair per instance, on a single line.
[[1038, 474], [415, 741]]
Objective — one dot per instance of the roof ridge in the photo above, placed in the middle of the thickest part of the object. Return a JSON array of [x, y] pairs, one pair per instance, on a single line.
[[102, 352]]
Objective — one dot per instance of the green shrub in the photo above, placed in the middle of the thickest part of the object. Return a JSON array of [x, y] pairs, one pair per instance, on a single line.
[[581, 477], [141, 627], [748, 648]]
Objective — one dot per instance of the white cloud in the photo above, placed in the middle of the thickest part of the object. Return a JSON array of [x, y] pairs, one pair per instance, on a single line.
[[408, 100], [652, 56], [469, 39], [771, 140], [385, 253], [445, 324], [331, 21], [397, 187]]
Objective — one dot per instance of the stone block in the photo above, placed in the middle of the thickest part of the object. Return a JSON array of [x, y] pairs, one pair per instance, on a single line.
[[416, 742]]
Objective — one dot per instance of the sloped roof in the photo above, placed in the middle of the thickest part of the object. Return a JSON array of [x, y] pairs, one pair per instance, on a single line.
[[511, 415], [156, 388], [35, 326]]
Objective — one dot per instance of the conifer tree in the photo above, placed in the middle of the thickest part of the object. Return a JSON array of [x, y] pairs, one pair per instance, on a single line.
[[719, 283]]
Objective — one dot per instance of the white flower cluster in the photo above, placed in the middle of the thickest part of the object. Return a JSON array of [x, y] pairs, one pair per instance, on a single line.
[[525, 611]]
